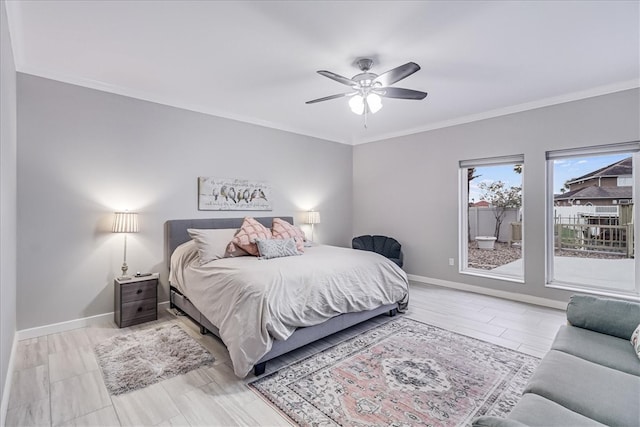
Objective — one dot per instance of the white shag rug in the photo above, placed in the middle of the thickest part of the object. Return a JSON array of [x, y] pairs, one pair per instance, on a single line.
[[139, 359]]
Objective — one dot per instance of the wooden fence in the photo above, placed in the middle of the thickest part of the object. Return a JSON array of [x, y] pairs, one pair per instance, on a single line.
[[605, 236]]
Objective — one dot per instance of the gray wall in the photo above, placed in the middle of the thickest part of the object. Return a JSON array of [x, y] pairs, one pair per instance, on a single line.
[[84, 154], [408, 187], [7, 200]]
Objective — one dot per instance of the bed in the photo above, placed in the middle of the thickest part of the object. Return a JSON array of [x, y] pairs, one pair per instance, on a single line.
[[262, 309]]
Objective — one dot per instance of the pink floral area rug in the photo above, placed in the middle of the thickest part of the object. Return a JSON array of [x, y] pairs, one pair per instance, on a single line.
[[401, 373]]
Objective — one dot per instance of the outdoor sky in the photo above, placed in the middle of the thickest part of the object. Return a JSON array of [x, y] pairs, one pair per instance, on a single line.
[[563, 170]]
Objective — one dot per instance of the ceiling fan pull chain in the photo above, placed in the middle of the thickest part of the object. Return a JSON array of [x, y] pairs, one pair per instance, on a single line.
[[366, 107]]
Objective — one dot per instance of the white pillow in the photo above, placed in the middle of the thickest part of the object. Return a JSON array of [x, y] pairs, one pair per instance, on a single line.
[[635, 341], [181, 257], [211, 243]]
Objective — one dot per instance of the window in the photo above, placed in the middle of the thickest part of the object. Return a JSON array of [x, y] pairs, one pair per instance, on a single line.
[[491, 217], [591, 247], [625, 181]]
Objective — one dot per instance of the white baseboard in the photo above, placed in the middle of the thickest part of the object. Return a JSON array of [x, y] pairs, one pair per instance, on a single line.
[[6, 391], [530, 299], [55, 328]]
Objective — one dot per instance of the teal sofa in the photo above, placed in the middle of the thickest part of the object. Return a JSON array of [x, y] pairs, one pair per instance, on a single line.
[[591, 375]]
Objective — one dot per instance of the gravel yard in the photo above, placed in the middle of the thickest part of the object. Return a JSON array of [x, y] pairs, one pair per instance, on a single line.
[[503, 254], [489, 259]]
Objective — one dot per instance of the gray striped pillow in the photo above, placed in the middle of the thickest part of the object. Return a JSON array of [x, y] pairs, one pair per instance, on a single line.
[[276, 248]]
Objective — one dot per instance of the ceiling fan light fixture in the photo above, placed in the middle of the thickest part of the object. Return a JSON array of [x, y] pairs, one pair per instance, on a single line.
[[375, 102], [372, 102], [369, 88], [356, 103]]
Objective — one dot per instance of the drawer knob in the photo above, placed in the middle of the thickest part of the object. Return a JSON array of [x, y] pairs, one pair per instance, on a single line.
[[139, 308], [139, 291]]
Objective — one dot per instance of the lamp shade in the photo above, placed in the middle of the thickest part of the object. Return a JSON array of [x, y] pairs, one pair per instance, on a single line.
[[356, 103], [313, 217], [374, 102], [371, 102], [125, 222]]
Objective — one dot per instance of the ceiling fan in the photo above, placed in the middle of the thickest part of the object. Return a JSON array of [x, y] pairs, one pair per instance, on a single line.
[[368, 88]]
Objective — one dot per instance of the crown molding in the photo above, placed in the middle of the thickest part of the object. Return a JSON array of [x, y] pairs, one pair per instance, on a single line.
[[546, 102], [168, 101]]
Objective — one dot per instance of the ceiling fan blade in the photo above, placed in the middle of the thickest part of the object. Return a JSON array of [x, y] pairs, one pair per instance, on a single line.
[[327, 98], [397, 74], [338, 78], [400, 93]]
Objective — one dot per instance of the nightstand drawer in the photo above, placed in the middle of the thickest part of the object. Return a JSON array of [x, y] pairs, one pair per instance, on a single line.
[[139, 309], [138, 290]]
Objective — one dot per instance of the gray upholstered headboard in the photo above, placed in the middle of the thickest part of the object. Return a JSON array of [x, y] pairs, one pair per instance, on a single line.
[[176, 229]]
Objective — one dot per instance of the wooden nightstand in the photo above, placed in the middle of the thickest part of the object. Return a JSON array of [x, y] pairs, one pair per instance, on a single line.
[[136, 300]]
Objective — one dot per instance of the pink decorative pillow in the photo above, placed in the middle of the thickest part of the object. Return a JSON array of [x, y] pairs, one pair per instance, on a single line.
[[281, 229], [245, 238], [234, 251], [635, 341]]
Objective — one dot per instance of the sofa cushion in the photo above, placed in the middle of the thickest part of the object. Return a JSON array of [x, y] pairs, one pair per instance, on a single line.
[[605, 315], [535, 410], [597, 392], [599, 348]]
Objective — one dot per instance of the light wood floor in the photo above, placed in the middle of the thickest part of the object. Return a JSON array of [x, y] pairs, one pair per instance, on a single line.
[[56, 379]]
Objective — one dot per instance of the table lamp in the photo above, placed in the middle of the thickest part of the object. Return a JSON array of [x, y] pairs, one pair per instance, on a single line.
[[313, 218], [125, 222]]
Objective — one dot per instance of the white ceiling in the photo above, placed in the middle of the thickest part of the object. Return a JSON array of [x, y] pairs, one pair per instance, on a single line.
[[256, 61]]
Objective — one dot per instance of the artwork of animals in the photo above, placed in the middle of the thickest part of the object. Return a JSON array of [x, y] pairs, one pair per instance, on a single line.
[[217, 194]]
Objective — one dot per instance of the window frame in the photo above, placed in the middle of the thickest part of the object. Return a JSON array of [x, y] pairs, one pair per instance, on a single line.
[[463, 220], [632, 147]]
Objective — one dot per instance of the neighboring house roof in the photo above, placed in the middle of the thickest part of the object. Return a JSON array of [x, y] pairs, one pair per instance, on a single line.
[[622, 167], [595, 192], [481, 204]]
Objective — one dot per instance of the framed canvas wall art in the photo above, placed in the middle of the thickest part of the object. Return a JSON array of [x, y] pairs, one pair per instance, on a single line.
[[224, 194]]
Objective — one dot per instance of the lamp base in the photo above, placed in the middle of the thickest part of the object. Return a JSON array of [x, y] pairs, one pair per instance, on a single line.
[[124, 269]]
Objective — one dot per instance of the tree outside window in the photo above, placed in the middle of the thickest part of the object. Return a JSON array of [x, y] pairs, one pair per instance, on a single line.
[[501, 198]]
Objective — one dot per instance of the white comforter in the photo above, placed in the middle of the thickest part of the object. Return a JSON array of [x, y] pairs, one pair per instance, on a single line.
[[253, 301]]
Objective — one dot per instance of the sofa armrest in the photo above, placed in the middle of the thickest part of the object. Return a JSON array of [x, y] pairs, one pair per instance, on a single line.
[[605, 315], [488, 421]]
